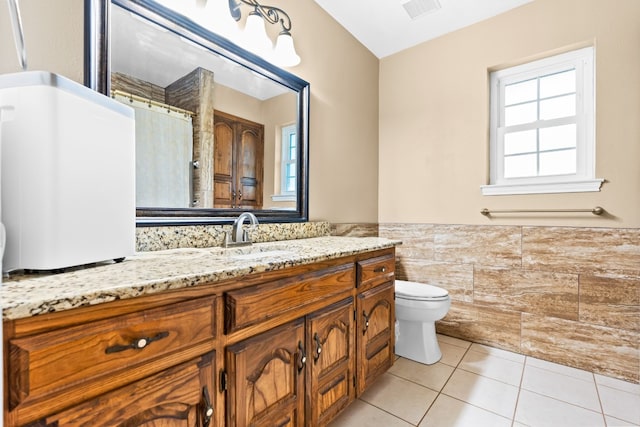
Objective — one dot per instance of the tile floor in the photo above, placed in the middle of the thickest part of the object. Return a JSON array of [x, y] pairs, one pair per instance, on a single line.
[[475, 386]]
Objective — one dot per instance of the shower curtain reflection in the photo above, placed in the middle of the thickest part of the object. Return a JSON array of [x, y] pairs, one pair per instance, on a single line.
[[164, 154]]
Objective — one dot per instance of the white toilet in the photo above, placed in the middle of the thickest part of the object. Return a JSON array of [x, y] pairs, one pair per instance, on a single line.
[[418, 306]]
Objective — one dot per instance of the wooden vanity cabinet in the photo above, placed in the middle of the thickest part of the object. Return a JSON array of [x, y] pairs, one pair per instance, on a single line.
[[301, 373], [330, 362], [290, 347], [375, 333], [181, 396], [266, 378], [112, 361]]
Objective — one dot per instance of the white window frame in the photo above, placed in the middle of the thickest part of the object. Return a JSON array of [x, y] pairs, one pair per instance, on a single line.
[[584, 179], [285, 196]]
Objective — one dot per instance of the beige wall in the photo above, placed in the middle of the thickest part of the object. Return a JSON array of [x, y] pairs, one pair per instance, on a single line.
[[53, 37], [344, 95], [434, 116]]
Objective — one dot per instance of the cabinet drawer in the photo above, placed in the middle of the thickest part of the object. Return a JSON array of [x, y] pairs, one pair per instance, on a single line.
[[248, 306], [67, 360], [376, 270]]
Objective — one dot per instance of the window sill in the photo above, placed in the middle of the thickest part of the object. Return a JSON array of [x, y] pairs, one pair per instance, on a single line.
[[283, 198], [542, 188]]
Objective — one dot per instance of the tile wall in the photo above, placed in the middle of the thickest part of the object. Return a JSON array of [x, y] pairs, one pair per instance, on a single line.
[[562, 294]]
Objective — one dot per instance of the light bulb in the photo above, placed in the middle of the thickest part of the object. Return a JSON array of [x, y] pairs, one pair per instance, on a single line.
[[217, 17], [285, 53], [255, 36]]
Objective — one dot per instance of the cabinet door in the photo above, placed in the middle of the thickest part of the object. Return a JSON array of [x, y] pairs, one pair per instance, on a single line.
[[224, 191], [181, 396], [266, 378], [375, 333], [249, 166], [331, 362], [238, 162]]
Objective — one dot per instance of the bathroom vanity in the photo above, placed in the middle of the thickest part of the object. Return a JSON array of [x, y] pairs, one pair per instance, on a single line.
[[282, 333]]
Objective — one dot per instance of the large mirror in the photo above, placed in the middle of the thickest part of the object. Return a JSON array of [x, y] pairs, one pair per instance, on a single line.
[[219, 131]]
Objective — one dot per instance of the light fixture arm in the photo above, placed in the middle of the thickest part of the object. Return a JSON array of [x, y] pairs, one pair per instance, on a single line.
[[272, 14]]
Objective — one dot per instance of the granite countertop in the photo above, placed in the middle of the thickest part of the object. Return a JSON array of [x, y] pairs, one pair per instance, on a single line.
[[147, 273]]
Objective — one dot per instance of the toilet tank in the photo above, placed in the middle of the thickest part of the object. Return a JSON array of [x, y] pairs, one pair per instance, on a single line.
[[67, 173]]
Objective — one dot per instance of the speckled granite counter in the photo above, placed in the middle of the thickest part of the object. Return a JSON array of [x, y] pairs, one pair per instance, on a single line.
[[152, 272]]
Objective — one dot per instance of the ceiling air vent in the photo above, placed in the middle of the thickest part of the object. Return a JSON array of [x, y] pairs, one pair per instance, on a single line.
[[417, 8]]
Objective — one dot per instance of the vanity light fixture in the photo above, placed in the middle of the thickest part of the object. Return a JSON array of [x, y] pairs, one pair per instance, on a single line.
[[222, 17], [255, 34]]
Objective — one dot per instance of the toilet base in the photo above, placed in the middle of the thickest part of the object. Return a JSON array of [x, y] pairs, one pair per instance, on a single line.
[[417, 341]]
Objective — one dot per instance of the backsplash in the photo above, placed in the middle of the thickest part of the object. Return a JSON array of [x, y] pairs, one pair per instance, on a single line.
[[205, 236], [569, 295]]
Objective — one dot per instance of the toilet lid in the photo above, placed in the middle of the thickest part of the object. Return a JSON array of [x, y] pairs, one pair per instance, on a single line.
[[419, 291]]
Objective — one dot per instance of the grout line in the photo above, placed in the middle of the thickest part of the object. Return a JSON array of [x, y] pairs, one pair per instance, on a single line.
[[455, 368], [604, 418], [387, 412], [515, 409]]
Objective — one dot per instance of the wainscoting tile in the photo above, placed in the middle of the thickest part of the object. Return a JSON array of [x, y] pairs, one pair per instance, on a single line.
[[581, 249], [484, 325], [417, 239], [354, 230], [497, 246], [608, 351], [549, 294], [612, 301], [455, 278]]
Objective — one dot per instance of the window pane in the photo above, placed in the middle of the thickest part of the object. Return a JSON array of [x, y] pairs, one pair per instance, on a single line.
[[520, 142], [517, 93], [520, 166], [558, 162], [558, 84], [291, 184], [292, 146], [554, 108], [558, 137], [291, 170], [519, 114]]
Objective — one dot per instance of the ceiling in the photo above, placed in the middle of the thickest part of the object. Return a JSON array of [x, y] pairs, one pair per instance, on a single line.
[[147, 51], [386, 27]]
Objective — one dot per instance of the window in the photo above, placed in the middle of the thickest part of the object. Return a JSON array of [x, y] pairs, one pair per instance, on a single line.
[[542, 127], [288, 166]]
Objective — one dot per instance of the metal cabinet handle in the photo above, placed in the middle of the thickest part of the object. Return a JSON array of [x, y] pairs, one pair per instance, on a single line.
[[137, 344], [366, 322], [316, 356], [382, 269], [302, 359], [207, 409]]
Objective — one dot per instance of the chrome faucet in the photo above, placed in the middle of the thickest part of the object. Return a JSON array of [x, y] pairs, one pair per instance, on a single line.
[[240, 236]]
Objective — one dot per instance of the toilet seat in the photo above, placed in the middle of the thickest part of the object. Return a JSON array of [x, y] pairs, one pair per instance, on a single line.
[[419, 292]]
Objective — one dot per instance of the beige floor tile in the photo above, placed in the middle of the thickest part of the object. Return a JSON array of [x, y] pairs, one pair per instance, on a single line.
[[432, 376], [620, 404], [617, 384], [400, 397], [451, 354], [486, 393], [560, 369], [450, 412], [505, 354], [360, 413], [541, 411], [453, 341], [562, 387], [494, 367]]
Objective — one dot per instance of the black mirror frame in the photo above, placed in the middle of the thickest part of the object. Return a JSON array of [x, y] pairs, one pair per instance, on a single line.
[[97, 73]]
